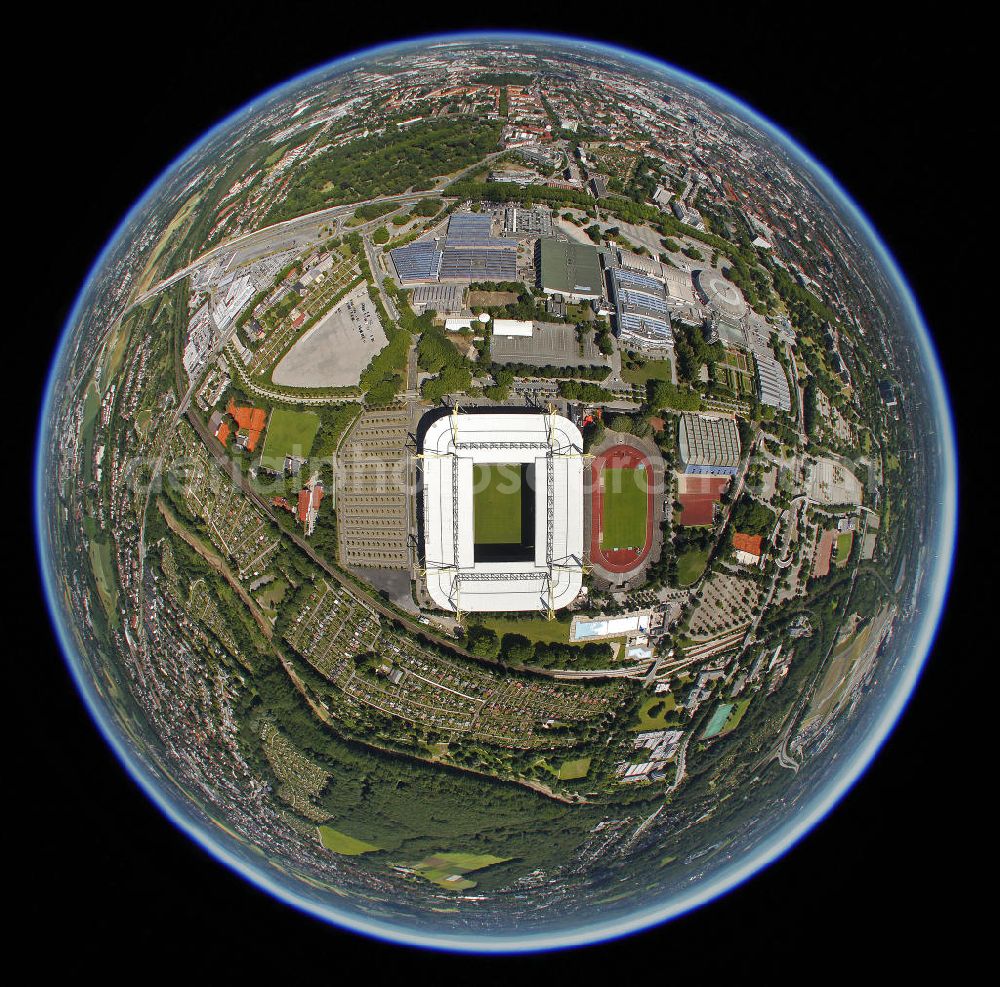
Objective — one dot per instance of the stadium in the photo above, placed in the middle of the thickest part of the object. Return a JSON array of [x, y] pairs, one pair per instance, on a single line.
[[622, 509], [502, 511]]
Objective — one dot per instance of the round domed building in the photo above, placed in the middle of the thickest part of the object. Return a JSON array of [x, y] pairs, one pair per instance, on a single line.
[[720, 294]]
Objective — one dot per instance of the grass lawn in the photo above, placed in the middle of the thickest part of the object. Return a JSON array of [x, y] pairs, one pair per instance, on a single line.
[[338, 842], [653, 713], [540, 629], [843, 549], [735, 715], [446, 870], [572, 770], [690, 565], [497, 503], [107, 587], [289, 433], [623, 524], [270, 595], [650, 370]]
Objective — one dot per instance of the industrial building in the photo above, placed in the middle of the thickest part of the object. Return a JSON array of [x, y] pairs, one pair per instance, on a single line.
[[547, 573], [638, 262], [512, 327], [445, 299], [772, 384], [641, 313], [709, 445], [601, 628], [725, 330], [519, 222], [572, 270], [416, 262], [468, 263], [678, 286], [469, 252]]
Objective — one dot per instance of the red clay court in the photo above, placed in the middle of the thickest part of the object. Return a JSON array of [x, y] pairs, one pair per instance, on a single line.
[[619, 559], [698, 496]]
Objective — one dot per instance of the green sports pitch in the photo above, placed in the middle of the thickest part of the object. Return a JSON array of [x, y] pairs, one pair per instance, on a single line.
[[497, 503], [623, 508], [289, 433]]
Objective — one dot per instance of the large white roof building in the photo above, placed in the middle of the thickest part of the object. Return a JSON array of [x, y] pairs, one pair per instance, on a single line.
[[553, 576]]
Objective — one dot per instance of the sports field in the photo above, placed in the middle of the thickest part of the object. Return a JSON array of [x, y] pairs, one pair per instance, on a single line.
[[289, 433], [621, 486], [497, 503], [625, 501], [843, 551]]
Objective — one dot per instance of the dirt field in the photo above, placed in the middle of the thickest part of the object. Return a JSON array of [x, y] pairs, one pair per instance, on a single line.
[[491, 299]]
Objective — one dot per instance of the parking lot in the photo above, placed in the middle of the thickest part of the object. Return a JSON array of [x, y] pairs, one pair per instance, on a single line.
[[335, 351]]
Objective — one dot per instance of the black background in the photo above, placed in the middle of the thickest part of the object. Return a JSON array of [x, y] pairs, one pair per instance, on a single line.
[[885, 106]]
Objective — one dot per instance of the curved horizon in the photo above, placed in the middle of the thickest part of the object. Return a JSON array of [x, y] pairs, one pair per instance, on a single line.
[[802, 821]]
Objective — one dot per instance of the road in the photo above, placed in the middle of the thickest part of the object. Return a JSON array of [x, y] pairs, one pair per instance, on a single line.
[[412, 624], [300, 230]]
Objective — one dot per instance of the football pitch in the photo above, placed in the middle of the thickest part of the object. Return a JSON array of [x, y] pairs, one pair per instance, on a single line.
[[497, 503], [289, 433], [623, 519]]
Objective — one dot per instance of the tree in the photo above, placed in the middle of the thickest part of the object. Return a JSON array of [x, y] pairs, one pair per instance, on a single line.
[[517, 648], [483, 642]]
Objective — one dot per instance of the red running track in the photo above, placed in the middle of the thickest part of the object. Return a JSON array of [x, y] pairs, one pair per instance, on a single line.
[[620, 559]]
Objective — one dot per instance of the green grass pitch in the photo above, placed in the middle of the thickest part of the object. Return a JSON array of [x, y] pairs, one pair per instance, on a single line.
[[289, 433], [624, 494], [497, 503]]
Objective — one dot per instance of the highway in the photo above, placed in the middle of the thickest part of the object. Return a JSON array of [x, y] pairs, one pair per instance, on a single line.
[[302, 230]]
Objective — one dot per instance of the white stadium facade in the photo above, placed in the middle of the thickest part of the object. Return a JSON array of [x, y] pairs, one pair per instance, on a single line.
[[549, 574]]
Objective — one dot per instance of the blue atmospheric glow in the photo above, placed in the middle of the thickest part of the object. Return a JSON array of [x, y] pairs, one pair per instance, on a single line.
[[940, 556]]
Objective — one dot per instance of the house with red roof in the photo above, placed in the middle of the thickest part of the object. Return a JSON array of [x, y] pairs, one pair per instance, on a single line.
[[747, 548]]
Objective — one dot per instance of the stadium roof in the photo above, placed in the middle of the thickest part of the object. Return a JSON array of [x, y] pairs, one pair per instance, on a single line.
[[553, 576], [569, 268]]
